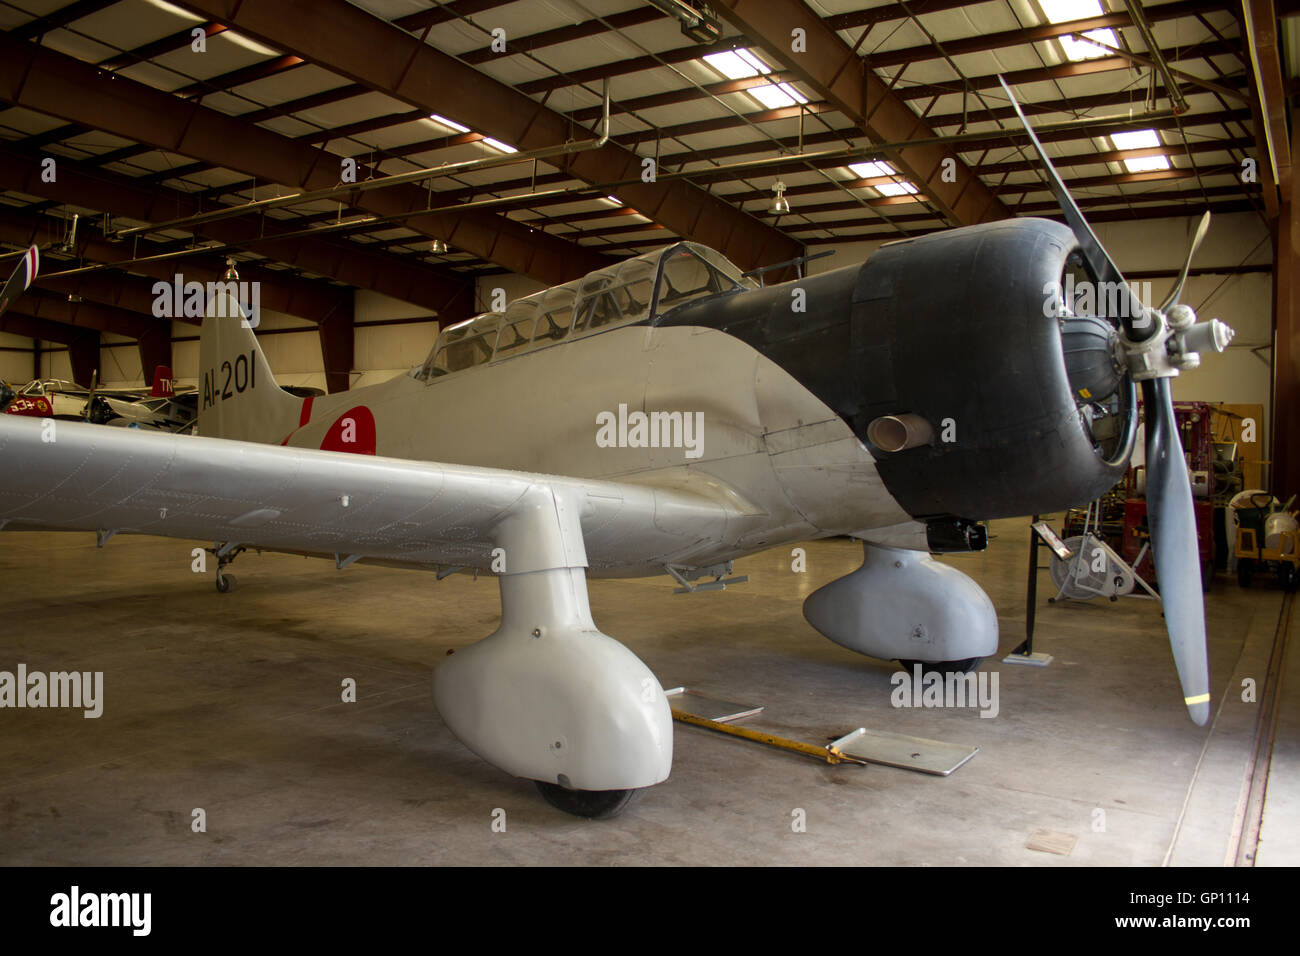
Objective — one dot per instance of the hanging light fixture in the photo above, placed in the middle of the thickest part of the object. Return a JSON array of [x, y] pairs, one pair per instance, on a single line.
[[439, 248], [780, 205]]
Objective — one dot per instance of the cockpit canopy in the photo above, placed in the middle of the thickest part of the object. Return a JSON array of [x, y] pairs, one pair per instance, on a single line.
[[627, 293]]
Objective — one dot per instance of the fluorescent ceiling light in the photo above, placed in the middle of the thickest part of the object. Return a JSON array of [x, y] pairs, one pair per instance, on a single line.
[[1137, 139], [900, 188], [174, 10], [1146, 164], [499, 146], [871, 170], [616, 202], [240, 40], [450, 124]]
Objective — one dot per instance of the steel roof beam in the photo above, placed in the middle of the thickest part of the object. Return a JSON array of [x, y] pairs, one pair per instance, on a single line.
[[58, 85], [87, 315], [434, 82], [1268, 100], [59, 18], [986, 42], [308, 299], [119, 195], [840, 76]]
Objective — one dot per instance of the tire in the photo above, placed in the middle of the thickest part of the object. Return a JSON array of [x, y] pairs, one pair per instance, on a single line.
[[1244, 572], [225, 583], [591, 804], [942, 668]]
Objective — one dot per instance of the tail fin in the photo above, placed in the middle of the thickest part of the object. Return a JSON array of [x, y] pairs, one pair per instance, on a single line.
[[238, 396], [163, 383]]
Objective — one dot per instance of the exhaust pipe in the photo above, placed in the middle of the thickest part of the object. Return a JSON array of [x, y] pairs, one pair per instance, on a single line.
[[899, 432]]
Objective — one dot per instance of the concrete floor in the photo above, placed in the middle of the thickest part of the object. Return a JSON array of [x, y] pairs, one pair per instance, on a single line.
[[230, 703]]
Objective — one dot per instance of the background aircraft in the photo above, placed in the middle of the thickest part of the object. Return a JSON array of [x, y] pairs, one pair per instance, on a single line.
[[668, 415]]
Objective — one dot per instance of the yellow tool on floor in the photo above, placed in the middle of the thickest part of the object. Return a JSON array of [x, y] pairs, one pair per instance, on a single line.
[[831, 754]]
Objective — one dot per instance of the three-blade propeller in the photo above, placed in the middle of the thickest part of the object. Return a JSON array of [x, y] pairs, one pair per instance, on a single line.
[[1157, 343]]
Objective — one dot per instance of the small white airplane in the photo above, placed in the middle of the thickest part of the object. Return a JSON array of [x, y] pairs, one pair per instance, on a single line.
[[667, 415]]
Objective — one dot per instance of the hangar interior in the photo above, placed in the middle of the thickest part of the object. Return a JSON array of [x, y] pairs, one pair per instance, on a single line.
[[148, 143]]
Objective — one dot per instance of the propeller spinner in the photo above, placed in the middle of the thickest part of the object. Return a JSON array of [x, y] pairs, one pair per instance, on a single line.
[[1156, 344]]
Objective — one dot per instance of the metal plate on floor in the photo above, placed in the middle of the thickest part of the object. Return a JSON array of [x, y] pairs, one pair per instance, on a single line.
[[722, 711], [908, 753]]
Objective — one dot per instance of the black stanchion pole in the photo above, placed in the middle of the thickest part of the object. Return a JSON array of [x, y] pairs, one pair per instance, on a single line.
[[1031, 591]]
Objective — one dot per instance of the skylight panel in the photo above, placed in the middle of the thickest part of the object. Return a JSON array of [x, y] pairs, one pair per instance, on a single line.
[[1064, 11], [742, 64], [733, 66], [872, 169], [1076, 49], [1140, 139], [1146, 164], [1136, 139], [776, 95], [879, 168]]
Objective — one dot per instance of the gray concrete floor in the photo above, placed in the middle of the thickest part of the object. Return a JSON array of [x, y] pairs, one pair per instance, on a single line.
[[230, 703]]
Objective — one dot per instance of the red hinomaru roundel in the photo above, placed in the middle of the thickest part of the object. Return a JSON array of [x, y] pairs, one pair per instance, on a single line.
[[353, 431]]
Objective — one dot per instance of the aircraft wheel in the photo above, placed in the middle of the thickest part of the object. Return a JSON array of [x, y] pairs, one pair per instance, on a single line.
[[225, 583], [943, 668], [592, 804]]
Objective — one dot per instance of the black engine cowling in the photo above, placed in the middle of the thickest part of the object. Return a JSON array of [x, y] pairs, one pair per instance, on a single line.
[[958, 328], [954, 329]]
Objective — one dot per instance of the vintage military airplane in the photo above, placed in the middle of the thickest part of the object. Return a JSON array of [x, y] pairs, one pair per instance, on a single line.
[[666, 414]]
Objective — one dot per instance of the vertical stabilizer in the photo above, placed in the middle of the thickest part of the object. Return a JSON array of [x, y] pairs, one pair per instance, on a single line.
[[238, 396]]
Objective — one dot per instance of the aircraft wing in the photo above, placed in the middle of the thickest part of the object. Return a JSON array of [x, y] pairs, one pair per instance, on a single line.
[[74, 476]]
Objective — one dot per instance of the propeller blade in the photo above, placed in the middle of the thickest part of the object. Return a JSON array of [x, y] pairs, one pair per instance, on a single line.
[[1171, 515], [1100, 265], [1171, 519], [88, 412], [20, 278], [1177, 290]]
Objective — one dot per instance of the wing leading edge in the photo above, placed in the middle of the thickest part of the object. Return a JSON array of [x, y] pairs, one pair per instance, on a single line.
[[71, 476]]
